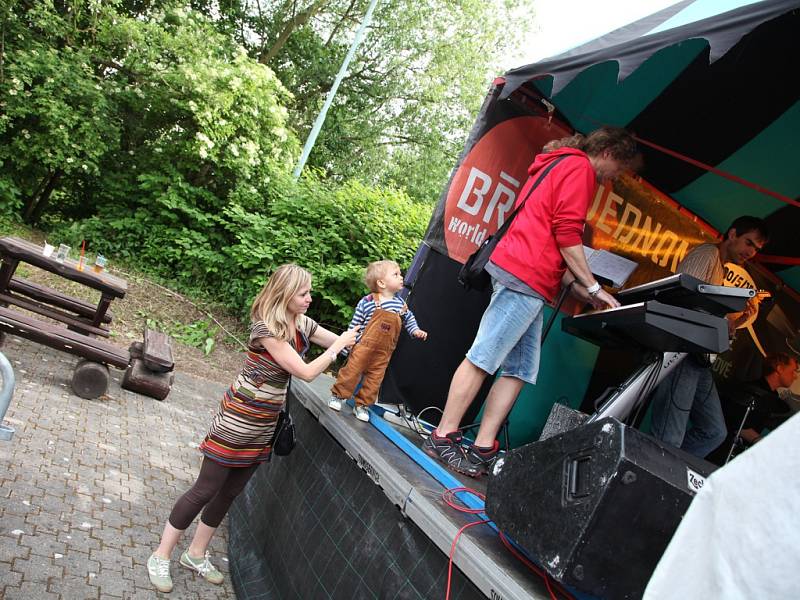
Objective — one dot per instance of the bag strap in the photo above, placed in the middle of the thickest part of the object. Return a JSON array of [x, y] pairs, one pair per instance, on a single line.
[[507, 223]]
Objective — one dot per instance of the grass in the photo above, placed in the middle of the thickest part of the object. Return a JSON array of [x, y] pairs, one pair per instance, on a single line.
[[207, 338]]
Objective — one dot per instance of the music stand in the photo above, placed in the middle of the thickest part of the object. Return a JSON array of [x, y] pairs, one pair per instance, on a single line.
[[608, 268]]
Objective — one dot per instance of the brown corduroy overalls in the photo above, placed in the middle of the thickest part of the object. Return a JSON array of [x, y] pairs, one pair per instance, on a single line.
[[370, 356]]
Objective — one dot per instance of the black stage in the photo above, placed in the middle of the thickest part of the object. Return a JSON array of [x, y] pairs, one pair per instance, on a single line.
[[350, 515]]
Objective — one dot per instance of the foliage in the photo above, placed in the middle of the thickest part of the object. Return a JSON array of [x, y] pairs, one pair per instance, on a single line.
[[163, 132], [200, 334], [333, 230], [402, 112], [133, 111]]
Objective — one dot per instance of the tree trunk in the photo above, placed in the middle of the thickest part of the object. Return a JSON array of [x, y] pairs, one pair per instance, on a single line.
[[295, 22], [39, 200]]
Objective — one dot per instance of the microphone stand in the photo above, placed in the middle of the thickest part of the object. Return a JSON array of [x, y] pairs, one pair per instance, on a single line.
[[738, 438]]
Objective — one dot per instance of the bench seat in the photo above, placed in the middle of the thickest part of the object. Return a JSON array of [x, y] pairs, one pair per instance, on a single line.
[[71, 321], [157, 351], [55, 298], [61, 338]]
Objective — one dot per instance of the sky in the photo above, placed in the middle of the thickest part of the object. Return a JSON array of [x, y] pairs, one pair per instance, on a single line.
[[556, 29]]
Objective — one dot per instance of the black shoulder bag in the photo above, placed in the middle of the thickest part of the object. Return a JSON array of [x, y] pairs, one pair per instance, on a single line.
[[284, 439], [473, 275]]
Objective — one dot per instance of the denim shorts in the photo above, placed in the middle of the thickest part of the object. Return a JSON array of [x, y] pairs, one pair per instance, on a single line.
[[510, 335]]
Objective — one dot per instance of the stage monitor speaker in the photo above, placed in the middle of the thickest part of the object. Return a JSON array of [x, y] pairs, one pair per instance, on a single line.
[[595, 506]]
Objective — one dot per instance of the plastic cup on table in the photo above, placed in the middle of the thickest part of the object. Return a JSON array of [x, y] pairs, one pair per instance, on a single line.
[[63, 252], [99, 263], [47, 250]]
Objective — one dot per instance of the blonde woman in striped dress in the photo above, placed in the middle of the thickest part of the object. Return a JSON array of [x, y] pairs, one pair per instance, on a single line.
[[240, 435]]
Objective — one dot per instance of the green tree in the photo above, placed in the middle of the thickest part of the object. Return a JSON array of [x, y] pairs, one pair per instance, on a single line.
[[56, 121], [401, 115]]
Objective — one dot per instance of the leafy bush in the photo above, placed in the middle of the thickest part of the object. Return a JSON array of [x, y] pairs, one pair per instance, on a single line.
[[332, 230], [160, 142]]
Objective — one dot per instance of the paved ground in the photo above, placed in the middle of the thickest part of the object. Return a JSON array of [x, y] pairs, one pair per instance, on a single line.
[[86, 485]]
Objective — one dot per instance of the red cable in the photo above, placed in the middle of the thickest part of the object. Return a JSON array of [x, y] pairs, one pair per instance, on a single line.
[[453, 550], [701, 165], [730, 176], [777, 260], [448, 496]]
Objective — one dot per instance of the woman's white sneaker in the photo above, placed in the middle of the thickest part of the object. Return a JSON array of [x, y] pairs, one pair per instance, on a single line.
[[203, 566], [158, 570]]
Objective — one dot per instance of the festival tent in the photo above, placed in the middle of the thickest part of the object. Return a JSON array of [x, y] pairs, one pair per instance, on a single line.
[[711, 91]]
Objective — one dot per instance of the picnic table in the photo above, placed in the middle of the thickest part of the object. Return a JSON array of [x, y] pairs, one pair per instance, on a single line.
[[80, 326]]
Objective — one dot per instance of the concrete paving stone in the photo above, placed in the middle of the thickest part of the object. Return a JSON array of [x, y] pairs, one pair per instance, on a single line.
[[138, 453], [73, 587], [141, 536], [135, 552], [111, 517], [8, 577], [111, 556], [18, 508], [48, 522], [115, 488], [11, 548], [75, 516], [25, 490], [111, 583], [5, 488], [78, 564], [31, 590], [44, 544], [37, 568], [110, 537], [9, 523], [80, 539], [145, 593]]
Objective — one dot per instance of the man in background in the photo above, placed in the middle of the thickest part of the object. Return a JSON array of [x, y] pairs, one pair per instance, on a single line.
[[688, 395], [769, 408]]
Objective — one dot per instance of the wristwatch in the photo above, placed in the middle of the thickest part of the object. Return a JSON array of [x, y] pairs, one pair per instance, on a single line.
[[593, 289]]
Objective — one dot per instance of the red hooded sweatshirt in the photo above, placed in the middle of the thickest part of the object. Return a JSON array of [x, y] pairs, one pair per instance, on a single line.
[[553, 218]]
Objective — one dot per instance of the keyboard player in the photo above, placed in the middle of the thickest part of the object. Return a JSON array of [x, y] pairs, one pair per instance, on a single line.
[[688, 393]]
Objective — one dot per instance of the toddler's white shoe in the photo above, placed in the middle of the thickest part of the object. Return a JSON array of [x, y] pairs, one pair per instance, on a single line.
[[361, 413]]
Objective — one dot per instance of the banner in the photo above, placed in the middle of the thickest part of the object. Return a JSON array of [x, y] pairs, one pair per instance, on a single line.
[[490, 174], [631, 219]]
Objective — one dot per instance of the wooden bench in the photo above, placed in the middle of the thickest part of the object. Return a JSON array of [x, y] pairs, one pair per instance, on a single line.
[[157, 351], [55, 298], [61, 338], [151, 370], [73, 322], [90, 378]]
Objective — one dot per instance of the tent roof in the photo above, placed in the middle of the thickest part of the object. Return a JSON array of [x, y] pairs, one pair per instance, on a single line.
[[721, 91]]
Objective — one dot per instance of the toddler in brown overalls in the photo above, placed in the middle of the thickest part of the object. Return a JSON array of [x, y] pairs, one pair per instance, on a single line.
[[382, 313]]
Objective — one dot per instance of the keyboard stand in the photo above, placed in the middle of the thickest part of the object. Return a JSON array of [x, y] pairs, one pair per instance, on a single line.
[[630, 395]]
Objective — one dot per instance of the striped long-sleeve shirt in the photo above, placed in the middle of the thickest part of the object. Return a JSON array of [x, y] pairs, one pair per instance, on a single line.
[[366, 307]]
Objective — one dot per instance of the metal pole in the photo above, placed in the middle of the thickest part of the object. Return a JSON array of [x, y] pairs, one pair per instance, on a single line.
[[312, 136], [6, 392]]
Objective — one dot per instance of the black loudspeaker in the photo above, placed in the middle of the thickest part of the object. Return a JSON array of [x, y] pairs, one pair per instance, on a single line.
[[595, 506]]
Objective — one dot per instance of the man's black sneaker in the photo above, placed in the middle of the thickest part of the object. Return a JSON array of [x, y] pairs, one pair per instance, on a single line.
[[448, 451], [483, 458]]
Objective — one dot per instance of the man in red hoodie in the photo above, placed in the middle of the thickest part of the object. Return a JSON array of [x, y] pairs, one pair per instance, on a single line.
[[541, 251]]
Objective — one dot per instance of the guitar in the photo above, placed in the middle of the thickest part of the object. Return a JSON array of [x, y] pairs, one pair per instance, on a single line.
[[706, 360], [760, 296]]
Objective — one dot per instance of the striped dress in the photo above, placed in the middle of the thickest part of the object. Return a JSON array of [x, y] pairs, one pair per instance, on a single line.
[[241, 432]]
